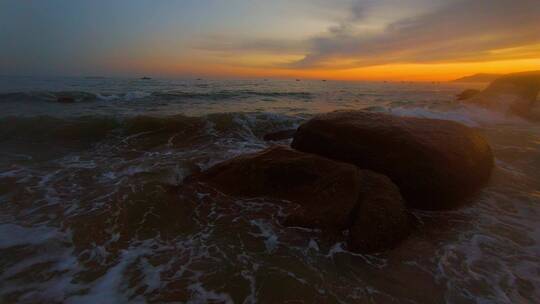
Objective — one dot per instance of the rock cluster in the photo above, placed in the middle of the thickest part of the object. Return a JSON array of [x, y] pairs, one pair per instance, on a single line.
[[360, 171]]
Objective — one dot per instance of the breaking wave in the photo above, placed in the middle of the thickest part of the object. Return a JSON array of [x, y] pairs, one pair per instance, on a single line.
[[98, 127], [82, 96]]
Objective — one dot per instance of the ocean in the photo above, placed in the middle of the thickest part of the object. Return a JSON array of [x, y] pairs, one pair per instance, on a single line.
[[87, 215]]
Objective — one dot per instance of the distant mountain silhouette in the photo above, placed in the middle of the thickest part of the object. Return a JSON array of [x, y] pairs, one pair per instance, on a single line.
[[481, 77]]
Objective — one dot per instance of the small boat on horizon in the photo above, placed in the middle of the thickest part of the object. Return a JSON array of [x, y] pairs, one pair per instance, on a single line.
[[146, 78]]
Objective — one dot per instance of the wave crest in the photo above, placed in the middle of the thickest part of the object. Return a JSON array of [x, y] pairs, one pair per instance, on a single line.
[[83, 96], [93, 128]]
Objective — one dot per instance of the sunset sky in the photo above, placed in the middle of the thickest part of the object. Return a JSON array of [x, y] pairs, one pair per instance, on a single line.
[[339, 39]]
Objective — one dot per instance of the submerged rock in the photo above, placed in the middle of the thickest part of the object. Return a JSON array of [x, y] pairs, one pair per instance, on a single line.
[[65, 99], [69, 96], [435, 163], [280, 135], [331, 195], [513, 94]]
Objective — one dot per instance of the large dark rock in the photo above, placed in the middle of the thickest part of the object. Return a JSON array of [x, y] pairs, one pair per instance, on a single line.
[[331, 195], [381, 218], [513, 94], [435, 163]]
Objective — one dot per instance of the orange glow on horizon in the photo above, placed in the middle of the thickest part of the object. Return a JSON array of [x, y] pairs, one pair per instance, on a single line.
[[389, 72]]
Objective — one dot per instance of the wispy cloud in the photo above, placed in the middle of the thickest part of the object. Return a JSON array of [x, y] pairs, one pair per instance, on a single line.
[[225, 46], [460, 31]]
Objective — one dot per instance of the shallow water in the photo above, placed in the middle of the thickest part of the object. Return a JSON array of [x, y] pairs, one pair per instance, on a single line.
[[87, 214]]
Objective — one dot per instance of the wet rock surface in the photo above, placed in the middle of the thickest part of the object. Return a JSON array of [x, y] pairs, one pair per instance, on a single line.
[[435, 163], [381, 220], [330, 195]]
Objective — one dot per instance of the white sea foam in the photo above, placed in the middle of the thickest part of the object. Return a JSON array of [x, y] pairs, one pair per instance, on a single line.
[[468, 115], [266, 232], [130, 96], [15, 235], [201, 295], [107, 97], [108, 288]]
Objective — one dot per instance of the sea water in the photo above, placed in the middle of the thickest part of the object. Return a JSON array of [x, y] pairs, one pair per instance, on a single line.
[[87, 214]]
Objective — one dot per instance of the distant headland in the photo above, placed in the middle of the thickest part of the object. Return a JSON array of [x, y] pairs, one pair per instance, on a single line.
[[480, 77]]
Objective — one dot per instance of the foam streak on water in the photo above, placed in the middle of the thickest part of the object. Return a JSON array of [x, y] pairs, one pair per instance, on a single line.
[[87, 214]]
